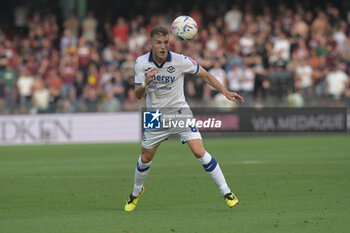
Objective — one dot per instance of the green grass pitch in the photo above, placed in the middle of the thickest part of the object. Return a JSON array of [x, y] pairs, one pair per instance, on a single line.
[[284, 184]]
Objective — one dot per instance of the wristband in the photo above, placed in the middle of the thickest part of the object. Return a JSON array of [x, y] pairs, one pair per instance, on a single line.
[[144, 85]]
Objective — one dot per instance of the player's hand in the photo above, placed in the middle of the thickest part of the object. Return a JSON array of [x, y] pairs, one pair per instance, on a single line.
[[149, 75], [233, 96]]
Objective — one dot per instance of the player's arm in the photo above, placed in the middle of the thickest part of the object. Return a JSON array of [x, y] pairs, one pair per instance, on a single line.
[[141, 89], [212, 81]]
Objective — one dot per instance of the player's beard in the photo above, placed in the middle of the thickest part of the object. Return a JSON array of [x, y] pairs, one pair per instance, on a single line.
[[161, 57]]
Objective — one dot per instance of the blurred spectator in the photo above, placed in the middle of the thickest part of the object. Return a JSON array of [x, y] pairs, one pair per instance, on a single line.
[[54, 84], [334, 15], [131, 103], [68, 71], [320, 72], [247, 82], [93, 79], [287, 20], [41, 96], [304, 77], [32, 64], [137, 40], [9, 80], [280, 83], [72, 23], [111, 104], [113, 89], [320, 25], [107, 33], [69, 42], [319, 43], [234, 59], [234, 76], [281, 48], [219, 73], [121, 29], [46, 49], [194, 89], [300, 28], [24, 85], [20, 13], [106, 73], [233, 19], [118, 86], [260, 79], [301, 51], [339, 36], [84, 55], [91, 100], [50, 27], [213, 42], [3, 60], [89, 27], [247, 43], [108, 57], [79, 86], [345, 54], [11, 53], [314, 60], [337, 82]]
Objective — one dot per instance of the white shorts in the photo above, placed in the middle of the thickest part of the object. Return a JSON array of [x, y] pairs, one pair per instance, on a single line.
[[152, 138]]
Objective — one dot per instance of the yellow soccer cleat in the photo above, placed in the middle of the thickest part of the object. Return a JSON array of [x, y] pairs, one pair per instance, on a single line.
[[132, 201], [231, 200]]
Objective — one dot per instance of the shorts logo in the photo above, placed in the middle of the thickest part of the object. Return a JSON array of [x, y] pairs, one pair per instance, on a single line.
[[151, 120], [171, 69]]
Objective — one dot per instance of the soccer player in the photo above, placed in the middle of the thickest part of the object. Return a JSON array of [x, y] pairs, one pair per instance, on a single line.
[[160, 74]]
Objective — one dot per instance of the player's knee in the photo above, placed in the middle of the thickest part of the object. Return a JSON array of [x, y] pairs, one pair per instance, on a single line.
[[147, 154], [146, 158], [199, 153]]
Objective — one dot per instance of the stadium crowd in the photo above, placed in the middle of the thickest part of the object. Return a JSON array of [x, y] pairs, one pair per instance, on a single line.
[[281, 56]]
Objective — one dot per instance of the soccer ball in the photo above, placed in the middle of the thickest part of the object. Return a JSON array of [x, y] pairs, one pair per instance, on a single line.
[[184, 28]]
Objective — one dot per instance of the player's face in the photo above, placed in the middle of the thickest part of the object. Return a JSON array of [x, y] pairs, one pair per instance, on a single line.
[[160, 47]]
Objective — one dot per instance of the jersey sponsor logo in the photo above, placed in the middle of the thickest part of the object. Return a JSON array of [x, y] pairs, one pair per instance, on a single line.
[[163, 79], [171, 69]]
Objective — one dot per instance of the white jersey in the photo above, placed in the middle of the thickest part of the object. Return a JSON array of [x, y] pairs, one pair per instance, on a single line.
[[167, 87]]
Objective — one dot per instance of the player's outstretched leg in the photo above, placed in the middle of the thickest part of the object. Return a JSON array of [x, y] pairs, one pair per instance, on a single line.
[[141, 172], [213, 169]]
